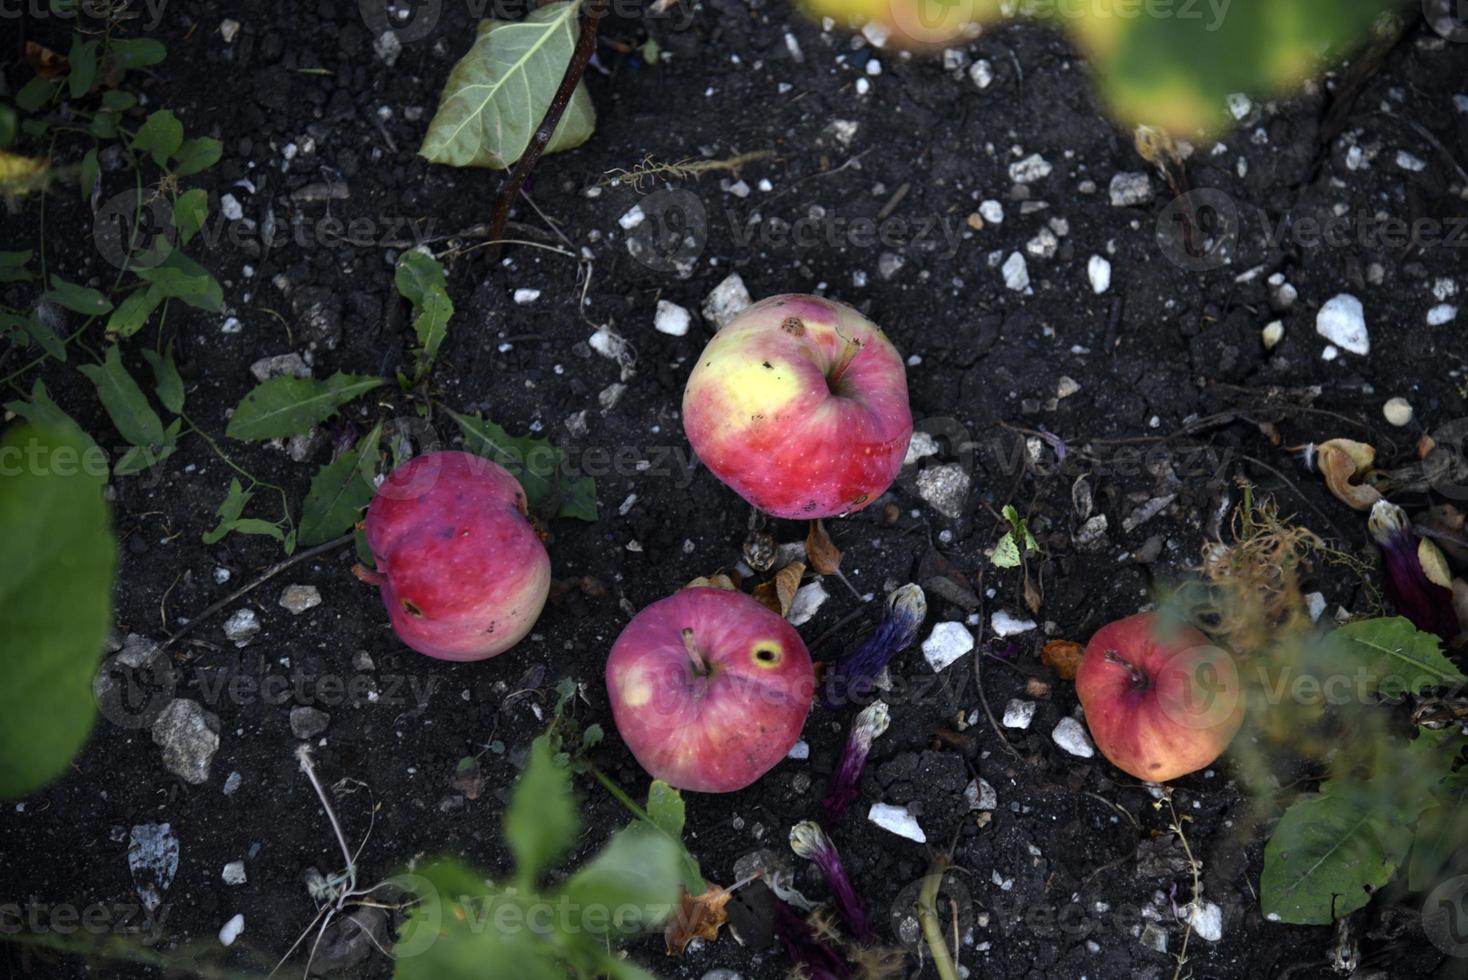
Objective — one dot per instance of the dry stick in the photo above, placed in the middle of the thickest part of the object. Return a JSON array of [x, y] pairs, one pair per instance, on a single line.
[[245, 590], [585, 44]]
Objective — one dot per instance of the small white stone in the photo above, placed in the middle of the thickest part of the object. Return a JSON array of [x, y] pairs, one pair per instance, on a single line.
[[221, 575], [921, 446], [1004, 623], [1098, 270], [632, 218], [1440, 314], [1315, 602], [234, 873], [800, 750], [980, 795], [671, 319], [739, 189], [1206, 919], [992, 212], [230, 207], [231, 930], [1066, 386], [874, 67], [232, 783], [1343, 322], [1272, 334], [388, 47], [228, 28], [1071, 736], [728, 299], [982, 73], [843, 129], [296, 599], [1032, 168], [808, 598], [1016, 272], [1018, 714], [526, 296], [1239, 105], [1398, 411], [1130, 188], [947, 643], [241, 626], [1409, 162], [607, 344], [231, 324], [1330, 353], [1043, 245], [897, 820]]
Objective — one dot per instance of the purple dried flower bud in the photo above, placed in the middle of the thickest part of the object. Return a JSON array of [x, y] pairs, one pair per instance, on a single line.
[[854, 676], [809, 841], [815, 959], [1428, 605], [870, 722]]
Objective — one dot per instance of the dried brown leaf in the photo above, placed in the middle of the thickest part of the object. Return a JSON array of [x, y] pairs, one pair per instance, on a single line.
[[1064, 657], [718, 580], [1342, 462], [698, 917], [779, 592], [47, 63], [824, 556]]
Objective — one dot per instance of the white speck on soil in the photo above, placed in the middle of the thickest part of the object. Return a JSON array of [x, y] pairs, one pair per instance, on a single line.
[[982, 73], [980, 795], [947, 643], [897, 820], [1004, 623], [671, 319], [1018, 714], [800, 750], [1397, 411], [1032, 168], [921, 446], [1129, 189], [807, 600], [1016, 272], [632, 218], [729, 299], [1440, 314], [241, 626], [992, 212], [945, 488], [296, 599], [189, 737], [1071, 736], [232, 783], [231, 930], [525, 296], [1343, 322], [1098, 270], [234, 873], [1206, 919], [1272, 334]]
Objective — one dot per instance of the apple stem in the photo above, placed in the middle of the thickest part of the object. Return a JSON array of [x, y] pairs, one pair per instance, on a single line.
[[1138, 678], [853, 347], [700, 665]]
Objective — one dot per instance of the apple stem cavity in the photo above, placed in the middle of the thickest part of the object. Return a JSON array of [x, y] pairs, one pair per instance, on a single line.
[[870, 722], [848, 354], [695, 656], [854, 676], [809, 841], [1139, 679]]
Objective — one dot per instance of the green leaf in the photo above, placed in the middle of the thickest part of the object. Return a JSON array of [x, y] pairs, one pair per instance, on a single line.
[[196, 155], [666, 808], [190, 280], [118, 100], [133, 312], [125, 402], [432, 323], [541, 820], [1327, 857], [104, 125], [78, 299], [229, 511], [287, 406], [339, 491], [139, 52], [34, 94], [499, 91], [1393, 656], [415, 274], [172, 281], [167, 382], [632, 884], [44, 413], [534, 462], [83, 62], [12, 266], [7, 126], [160, 136], [1439, 848], [55, 602], [190, 212], [89, 173], [45, 336], [1006, 552]]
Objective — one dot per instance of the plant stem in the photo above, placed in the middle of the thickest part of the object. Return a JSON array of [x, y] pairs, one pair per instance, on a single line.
[[619, 793], [575, 68], [927, 913]]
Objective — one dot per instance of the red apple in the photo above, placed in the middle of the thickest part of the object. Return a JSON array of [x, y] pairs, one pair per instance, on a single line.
[[709, 689], [1160, 700], [461, 570], [799, 404]]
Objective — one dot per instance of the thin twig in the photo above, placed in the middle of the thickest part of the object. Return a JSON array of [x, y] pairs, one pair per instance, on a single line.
[[575, 68]]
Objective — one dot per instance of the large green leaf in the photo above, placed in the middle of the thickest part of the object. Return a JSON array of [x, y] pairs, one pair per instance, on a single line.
[[1440, 846], [55, 602], [499, 91], [631, 885], [287, 406], [1393, 656], [79, 299], [534, 462], [541, 820], [125, 402], [339, 491], [160, 136]]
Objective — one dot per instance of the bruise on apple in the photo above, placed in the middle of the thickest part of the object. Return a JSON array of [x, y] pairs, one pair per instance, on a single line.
[[709, 689], [800, 406], [461, 570], [1160, 699]]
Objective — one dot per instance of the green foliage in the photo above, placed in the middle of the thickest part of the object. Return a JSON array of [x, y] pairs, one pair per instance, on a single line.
[[160, 136], [420, 280], [464, 928], [55, 598], [287, 406], [499, 91], [1017, 541], [339, 491], [131, 414], [231, 522], [536, 464], [1393, 656]]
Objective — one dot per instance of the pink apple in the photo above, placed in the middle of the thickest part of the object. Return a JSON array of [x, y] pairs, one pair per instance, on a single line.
[[709, 689], [799, 404], [461, 570], [1161, 701]]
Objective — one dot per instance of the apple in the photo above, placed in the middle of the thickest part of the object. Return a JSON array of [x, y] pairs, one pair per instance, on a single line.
[[459, 565], [1161, 701], [709, 689], [799, 404]]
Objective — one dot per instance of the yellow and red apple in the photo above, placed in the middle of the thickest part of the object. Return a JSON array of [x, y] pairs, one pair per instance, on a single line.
[[709, 689], [1161, 701], [799, 405], [461, 570]]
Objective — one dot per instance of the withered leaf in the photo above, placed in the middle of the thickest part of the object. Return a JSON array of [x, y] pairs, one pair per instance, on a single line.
[[718, 580], [1342, 462], [822, 553], [779, 592], [1063, 657], [698, 917]]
